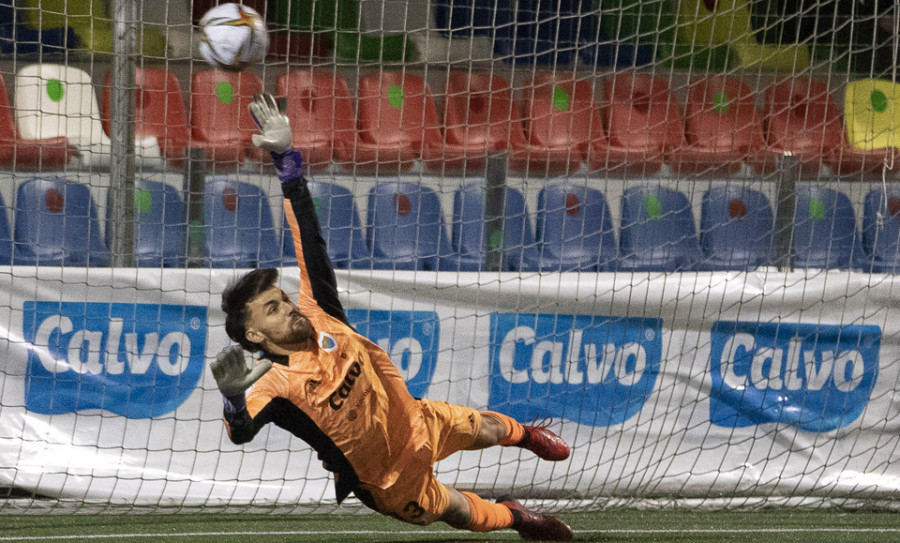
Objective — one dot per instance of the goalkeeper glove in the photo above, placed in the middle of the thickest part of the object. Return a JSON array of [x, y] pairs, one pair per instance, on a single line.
[[275, 137], [232, 375]]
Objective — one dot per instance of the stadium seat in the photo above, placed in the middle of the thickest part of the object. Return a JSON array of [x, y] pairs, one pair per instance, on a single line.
[[722, 129], [339, 20], [160, 225], [653, 24], [547, 33], [736, 229], [17, 38], [468, 231], [825, 233], [574, 230], [341, 227], [55, 101], [6, 243], [643, 125], [728, 22], [803, 120], [321, 113], [480, 116], [872, 116], [220, 121], [398, 122], [881, 229], [160, 121], [560, 118], [406, 228], [658, 231], [56, 225], [92, 23], [239, 229], [26, 154]]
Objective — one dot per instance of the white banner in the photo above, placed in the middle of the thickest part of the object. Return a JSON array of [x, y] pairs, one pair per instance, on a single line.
[[698, 384]]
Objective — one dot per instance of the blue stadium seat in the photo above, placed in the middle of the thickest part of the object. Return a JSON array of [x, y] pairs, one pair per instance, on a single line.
[[341, 227], [574, 230], [6, 244], [471, 17], [551, 33], [658, 231], [881, 230], [825, 233], [17, 38], [239, 229], [56, 225], [160, 225], [468, 230], [736, 228], [406, 228]]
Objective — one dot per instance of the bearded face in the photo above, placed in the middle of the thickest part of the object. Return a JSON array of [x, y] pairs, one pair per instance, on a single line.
[[274, 321]]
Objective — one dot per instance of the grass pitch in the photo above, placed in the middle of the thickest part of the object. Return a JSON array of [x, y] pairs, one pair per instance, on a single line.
[[681, 526]]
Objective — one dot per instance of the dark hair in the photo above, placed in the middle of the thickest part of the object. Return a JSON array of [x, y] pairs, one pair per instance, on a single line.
[[235, 298]]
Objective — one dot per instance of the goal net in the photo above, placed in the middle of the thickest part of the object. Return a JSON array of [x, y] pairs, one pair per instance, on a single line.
[[669, 229]]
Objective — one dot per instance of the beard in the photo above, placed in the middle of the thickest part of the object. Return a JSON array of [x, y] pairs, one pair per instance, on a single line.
[[300, 330]]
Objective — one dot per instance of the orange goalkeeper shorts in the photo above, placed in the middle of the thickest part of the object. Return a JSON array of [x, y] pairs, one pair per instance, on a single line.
[[418, 497]]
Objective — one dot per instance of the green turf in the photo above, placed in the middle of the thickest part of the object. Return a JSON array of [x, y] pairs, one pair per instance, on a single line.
[[766, 526]]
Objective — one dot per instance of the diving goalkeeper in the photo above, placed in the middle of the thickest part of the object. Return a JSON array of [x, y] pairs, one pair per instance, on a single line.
[[330, 386]]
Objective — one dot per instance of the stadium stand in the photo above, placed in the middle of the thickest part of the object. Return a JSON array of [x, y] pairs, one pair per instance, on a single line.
[[825, 234], [160, 120], [340, 224], [28, 154], [238, 226], [658, 231], [6, 240], [406, 228], [220, 121], [56, 225], [160, 228], [469, 232], [321, 114], [736, 228], [881, 229], [574, 230]]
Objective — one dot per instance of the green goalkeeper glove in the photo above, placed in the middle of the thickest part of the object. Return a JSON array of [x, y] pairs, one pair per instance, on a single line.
[[232, 374]]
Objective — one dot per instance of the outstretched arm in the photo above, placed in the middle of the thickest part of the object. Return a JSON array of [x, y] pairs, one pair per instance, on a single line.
[[317, 273]]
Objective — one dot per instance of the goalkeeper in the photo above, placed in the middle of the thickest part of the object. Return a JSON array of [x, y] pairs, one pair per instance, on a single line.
[[330, 386]]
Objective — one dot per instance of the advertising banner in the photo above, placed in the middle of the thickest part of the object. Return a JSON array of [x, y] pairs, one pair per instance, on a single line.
[[761, 384]]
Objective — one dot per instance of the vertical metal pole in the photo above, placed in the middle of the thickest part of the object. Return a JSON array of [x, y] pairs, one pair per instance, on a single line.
[[785, 207], [494, 210], [121, 166], [194, 187]]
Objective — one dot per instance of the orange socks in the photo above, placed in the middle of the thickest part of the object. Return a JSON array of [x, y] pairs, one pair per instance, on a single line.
[[487, 516], [514, 430]]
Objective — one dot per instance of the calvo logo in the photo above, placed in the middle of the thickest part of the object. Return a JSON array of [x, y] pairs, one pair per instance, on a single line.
[[135, 360], [813, 376]]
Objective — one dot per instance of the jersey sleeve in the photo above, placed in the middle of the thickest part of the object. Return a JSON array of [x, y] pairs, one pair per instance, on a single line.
[[317, 280]]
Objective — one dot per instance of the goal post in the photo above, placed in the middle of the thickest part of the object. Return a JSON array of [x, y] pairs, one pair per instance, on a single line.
[[668, 229]]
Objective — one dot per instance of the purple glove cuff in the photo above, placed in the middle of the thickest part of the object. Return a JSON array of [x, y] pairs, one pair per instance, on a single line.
[[234, 405], [288, 165]]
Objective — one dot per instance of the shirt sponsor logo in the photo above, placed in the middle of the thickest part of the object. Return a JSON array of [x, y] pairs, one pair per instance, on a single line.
[[410, 338], [812, 376], [597, 371], [336, 400], [135, 360]]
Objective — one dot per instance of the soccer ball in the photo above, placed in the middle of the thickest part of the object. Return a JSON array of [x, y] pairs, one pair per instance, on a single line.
[[233, 37]]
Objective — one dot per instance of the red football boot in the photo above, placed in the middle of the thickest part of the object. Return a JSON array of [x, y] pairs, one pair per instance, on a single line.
[[535, 526], [544, 443]]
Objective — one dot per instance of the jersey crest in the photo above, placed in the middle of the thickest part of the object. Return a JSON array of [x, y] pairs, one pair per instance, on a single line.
[[327, 342]]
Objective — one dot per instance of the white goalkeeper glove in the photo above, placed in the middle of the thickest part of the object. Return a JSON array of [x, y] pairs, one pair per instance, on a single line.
[[232, 374], [274, 125]]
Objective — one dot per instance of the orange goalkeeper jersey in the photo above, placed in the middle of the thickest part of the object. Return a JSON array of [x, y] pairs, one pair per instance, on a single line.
[[345, 398]]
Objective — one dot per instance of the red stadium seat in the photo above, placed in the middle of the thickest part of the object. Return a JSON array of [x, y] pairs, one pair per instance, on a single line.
[[321, 115], [398, 121], [643, 125], [480, 115], [559, 119], [722, 129], [802, 119], [159, 112], [220, 121], [29, 154]]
